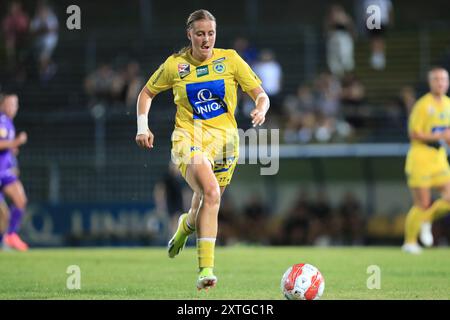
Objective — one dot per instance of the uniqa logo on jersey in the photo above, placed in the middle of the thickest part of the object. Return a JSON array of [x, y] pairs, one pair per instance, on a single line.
[[206, 99]]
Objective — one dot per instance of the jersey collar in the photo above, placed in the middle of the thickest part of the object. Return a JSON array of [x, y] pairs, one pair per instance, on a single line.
[[196, 62]]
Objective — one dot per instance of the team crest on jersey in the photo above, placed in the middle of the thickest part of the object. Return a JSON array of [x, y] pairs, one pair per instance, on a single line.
[[184, 69], [207, 99], [219, 68]]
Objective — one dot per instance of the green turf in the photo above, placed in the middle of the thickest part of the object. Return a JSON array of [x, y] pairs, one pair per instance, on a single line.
[[243, 273]]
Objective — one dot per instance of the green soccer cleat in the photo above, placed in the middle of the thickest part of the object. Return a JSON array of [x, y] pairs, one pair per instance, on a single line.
[[179, 239], [206, 279]]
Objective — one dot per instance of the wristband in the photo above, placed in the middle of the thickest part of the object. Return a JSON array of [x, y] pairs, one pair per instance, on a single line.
[[142, 124], [263, 95]]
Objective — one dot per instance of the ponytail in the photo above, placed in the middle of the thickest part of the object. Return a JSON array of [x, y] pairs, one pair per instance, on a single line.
[[182, 51]]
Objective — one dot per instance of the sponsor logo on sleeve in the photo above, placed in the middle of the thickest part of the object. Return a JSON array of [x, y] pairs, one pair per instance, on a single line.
[[184, 69]]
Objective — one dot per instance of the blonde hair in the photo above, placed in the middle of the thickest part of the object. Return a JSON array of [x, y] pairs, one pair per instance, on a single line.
[[434, 69], [197, 15]]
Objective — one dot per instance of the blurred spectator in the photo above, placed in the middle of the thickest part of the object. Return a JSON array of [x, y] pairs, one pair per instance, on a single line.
[[44, 28], [15, 30], [294, 227], [169, 195], [297, 105], [270, 73], [254, 220], [328, 93], [353, 228], [127, 85], [99, 85], [321, 207], [353, 97], [320, 213], [398, 111], [339, 28], [318, 223], [407, 99], [325, 128], [328, 90], [228, 232], [353, 91], [314, 114], [245, 50], [377, 36], [299, 115]]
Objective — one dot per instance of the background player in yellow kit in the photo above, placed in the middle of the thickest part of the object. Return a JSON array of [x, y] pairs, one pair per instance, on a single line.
[[427, 166], [205, 141]]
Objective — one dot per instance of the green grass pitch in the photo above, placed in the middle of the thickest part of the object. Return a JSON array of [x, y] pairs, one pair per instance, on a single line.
[[243, 273]]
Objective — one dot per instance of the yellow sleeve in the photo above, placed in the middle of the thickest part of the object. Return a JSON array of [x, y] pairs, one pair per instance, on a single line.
[[161, 79], [244, 75], [417, 118]]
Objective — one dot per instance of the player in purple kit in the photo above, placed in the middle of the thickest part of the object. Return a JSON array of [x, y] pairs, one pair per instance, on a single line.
[[10, 185], [4, 217]]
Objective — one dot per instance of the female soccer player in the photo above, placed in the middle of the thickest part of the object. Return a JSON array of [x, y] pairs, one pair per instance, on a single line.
[[426, 165], [10, 185], [205, 142]]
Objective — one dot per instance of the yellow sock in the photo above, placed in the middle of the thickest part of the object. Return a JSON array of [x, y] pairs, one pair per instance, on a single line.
[[205, 251], [412, 224], [438, 209]]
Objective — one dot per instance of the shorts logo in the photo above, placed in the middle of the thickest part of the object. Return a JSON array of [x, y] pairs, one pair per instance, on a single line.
[[202, 71], [206, 99], [194, 148], [184, 69], [219, 68], [439, 129]]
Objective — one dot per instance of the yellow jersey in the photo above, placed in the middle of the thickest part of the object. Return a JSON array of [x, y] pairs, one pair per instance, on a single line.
[[204, 92], [426, 163], [428, 116]]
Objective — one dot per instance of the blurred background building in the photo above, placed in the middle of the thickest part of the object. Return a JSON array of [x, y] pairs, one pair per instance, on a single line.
[[340, 97]]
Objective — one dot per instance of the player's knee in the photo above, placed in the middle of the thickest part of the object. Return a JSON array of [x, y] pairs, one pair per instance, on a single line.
[[211, 195], [22, 203]]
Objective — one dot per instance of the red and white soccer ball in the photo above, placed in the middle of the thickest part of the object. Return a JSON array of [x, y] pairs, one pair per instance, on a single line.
[[302, 282]]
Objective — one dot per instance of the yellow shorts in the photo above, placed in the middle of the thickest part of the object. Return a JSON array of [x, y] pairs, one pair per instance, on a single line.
[[427, 168], [222, 154]]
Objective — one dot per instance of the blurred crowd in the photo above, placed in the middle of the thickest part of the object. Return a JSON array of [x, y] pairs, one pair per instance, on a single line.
[[308, 221], [332, 105], [114, 86], [30, 41]]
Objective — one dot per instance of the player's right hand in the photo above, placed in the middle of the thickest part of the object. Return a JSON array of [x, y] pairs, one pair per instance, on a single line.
[[21, 138], [145, 140]]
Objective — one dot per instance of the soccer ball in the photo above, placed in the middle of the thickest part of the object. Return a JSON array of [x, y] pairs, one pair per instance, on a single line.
[[302, 282]]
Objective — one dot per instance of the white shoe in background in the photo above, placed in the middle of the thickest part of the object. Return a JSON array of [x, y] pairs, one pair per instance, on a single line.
[[412, 248], [426, 235]]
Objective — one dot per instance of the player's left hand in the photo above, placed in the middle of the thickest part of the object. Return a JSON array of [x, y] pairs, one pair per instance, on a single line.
[[258, 117]]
